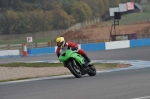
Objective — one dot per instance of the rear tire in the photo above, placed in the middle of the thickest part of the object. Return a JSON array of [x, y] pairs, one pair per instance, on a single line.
[[75, 70], [92, 71]]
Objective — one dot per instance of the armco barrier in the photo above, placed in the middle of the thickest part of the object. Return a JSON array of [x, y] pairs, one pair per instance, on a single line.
[[98, 46], [93, 47], [41, 50], [140, 42], [117, 44], [9, 52], [86, 47]]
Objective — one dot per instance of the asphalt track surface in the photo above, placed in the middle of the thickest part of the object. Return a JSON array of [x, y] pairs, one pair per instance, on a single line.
[[137, 53], [126, 84]]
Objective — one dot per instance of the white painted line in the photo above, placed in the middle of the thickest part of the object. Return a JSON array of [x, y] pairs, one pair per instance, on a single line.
[[146, 97], [36, 79]]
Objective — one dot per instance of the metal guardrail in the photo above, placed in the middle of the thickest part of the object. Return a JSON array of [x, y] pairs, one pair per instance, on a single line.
[[11, 47]]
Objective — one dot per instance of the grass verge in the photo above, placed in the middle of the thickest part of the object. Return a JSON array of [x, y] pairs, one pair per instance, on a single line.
[[21, 41], [43, 64], [40, 64]]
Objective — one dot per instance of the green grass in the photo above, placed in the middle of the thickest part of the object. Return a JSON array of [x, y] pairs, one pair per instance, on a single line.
[[21, 41], [44, 64], [146, 8], [136, 17], [132, 18]]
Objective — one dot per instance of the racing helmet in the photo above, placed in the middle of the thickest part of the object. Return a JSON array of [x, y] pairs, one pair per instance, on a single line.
[[60, 42]]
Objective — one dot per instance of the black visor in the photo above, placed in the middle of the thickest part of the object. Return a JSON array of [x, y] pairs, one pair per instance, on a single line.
[[59, 44]]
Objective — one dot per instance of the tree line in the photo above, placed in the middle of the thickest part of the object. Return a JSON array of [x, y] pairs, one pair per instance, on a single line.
[[29, 16]]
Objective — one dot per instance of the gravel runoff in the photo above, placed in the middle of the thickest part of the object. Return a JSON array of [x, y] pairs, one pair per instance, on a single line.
[[9, 73]]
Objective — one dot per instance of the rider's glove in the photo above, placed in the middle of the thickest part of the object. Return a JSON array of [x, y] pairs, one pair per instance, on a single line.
[[74, 48]]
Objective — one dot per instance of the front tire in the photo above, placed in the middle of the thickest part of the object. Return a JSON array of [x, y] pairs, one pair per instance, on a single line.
[[74, 69]]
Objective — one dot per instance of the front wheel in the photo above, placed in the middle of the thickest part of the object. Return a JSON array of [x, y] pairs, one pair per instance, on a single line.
[[92, 71], [74, 68]]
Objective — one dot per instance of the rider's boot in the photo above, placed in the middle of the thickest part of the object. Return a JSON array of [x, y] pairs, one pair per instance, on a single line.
[[86, 68], [88, 60]]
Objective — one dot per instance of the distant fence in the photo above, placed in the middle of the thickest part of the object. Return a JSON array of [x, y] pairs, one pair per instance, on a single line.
[[45, 34], [48, 44], [84, 24], [53, 43], [51, 34]]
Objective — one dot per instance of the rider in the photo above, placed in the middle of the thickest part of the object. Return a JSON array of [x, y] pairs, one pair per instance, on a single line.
[[62, 45]]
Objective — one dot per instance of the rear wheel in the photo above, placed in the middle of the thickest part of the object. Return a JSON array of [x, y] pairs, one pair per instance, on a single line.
[[74, 68], [92, 71]]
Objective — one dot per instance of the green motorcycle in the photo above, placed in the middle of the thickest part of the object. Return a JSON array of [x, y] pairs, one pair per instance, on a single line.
[[76, 64]]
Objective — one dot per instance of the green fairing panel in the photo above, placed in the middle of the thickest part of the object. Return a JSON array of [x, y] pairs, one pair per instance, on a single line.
[[78, 58], [65, 57], [70, 54]]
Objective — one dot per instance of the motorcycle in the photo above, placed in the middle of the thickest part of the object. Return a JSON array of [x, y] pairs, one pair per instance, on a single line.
[[76, 64]]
